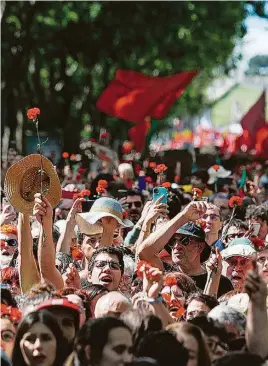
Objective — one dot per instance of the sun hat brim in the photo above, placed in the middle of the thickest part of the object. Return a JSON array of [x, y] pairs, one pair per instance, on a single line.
[[93, 217], [238, 250], [15, 175], [85, 227]]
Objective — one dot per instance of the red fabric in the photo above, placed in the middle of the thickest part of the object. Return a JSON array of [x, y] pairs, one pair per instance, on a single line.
[[262, 142], [138, 134], [133, 96]]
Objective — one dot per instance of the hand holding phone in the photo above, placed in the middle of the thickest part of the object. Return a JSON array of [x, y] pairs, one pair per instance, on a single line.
[[159, 192]]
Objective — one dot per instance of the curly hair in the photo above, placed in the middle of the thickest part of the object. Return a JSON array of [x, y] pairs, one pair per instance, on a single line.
[[109, 250]]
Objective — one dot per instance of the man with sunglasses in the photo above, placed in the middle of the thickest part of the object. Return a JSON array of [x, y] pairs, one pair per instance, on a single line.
[[186, 242], [106, 267], [9, 243], [133, 205]]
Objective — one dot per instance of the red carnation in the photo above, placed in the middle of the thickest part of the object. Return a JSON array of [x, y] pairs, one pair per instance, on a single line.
[[148, 180], [127, 147], [100, 190], [201, 223], [141, 267], [161, 168], [104, 135], [77, 254], [125, 214], [166, 185], [85, 193], [81, 171], [170, 281], [177, 178], [65, 155], [197, 193], [102, 183], [258, 243], [235, 201], [152, 164], [76, 196], [92, 139], [33, 113], [216, 167]]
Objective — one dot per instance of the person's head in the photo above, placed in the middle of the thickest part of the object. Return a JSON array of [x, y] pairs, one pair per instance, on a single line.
[[199, 304], [236, 229], [134, 201], [199, 179], [238, 261], [212, 218], [39, 341], [125, 171], [113, 303], [262, 260], [89, 243], [67, 314], [193, 340], [140, 322], [164, 348], [10, 277], [221, 200], [177, 286], [104, 341], [8, 333], [188, 246], [233, 320], [215, 335], [260, 215], [106, 267], [129, 270], [9, 242], [94, 293], [63, 260]]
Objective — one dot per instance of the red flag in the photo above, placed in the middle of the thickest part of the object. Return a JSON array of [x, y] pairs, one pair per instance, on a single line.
[[138, 134], [133, 96], [262, 142]]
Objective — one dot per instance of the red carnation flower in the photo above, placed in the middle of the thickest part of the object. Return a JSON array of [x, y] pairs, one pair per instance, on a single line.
[[77, 254], [177, 178], [33, 113], [127, 147], [197, 193], [235, 201], [216, 167], [104, 135], [81, 171], [102, 183], [100, 190], [76, 196], [258, 243], [161, 168], [65, 155], [152, 165], [141, 267], [166, 185], [148, 180], [85, 193], [92, 139], [201, 223], [125, 214], [170, 281]]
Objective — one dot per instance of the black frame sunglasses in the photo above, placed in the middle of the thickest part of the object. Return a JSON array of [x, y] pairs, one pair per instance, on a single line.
[[11, 242]]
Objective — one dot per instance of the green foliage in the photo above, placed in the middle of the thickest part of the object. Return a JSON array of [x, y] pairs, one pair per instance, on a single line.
[[59, 56]]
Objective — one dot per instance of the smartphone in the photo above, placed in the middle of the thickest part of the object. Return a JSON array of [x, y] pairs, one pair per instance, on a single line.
[[158, 192], [255, 226], [86, 205]]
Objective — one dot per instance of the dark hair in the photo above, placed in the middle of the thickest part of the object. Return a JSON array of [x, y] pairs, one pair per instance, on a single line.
[[174, 204], [164, 348], [109, 250], [91, 292], [261, 212], [209, 301], [65, 260], [133, 192], [184, 282], [203, 358], [55, 234], [239, 358], [94, 333], [26, 323], [239, 224], [140, 322], [210, 327], [7, 298]]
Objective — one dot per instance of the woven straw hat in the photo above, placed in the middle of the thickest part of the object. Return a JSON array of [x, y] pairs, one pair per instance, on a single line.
[[23, 181]]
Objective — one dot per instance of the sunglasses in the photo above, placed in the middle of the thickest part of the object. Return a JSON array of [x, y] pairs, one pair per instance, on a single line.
[[9, 242], [213, 345], [7, 335], [184, 240], [135, 203], [112, 265]]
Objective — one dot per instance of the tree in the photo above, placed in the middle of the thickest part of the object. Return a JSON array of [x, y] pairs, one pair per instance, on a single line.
[[59, 56]]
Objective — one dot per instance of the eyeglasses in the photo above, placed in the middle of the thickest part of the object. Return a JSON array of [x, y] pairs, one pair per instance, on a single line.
[[7, 335], [9, 242], [235, 235], [110, 264], [213, 345], [135, 203], [184, 240], [213, 217]]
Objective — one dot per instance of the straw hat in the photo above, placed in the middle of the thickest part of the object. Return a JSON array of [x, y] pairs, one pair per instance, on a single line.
[[23, 181]]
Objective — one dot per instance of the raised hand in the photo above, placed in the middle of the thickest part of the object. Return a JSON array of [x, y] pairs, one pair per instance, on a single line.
[[42, 209], [152, 282], [194, 210], [76, 208], [8, 215], [214, 264], [255, 286], [71, 277], [155, 210]]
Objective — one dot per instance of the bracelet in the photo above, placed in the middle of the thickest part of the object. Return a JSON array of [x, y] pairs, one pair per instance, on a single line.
[[157, 300]]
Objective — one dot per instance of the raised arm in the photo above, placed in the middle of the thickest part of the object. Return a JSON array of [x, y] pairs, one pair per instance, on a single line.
[[46, 249], [28, 271]]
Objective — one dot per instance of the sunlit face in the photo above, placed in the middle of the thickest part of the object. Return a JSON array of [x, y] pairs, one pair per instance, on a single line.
[[38, 346], [263, 229], [183, 254], [66, 322], [117, 351], [106, 271], [196, 308], [263, 263], [134, 208], [237, 269], [174, 299], [90, 242], [8, 333], [212, 218], [190, 343]]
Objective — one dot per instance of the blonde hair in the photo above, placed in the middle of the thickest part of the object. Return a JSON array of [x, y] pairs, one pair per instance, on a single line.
[[126, 171]]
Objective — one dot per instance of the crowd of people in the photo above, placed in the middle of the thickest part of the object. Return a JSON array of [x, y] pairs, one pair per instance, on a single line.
[[126, 268]]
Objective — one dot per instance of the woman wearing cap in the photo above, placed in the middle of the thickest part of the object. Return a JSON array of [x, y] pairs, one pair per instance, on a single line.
[[39, 341]]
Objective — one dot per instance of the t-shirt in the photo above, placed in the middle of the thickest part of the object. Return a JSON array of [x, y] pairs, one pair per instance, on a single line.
[[224, 286]]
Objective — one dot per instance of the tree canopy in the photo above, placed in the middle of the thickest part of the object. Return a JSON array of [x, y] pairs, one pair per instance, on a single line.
[[59, 56]]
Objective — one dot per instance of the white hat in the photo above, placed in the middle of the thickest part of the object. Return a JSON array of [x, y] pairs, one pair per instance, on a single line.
[[217, 171]]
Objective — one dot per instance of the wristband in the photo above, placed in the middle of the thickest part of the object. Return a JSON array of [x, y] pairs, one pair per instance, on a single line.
[[157, 300]]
